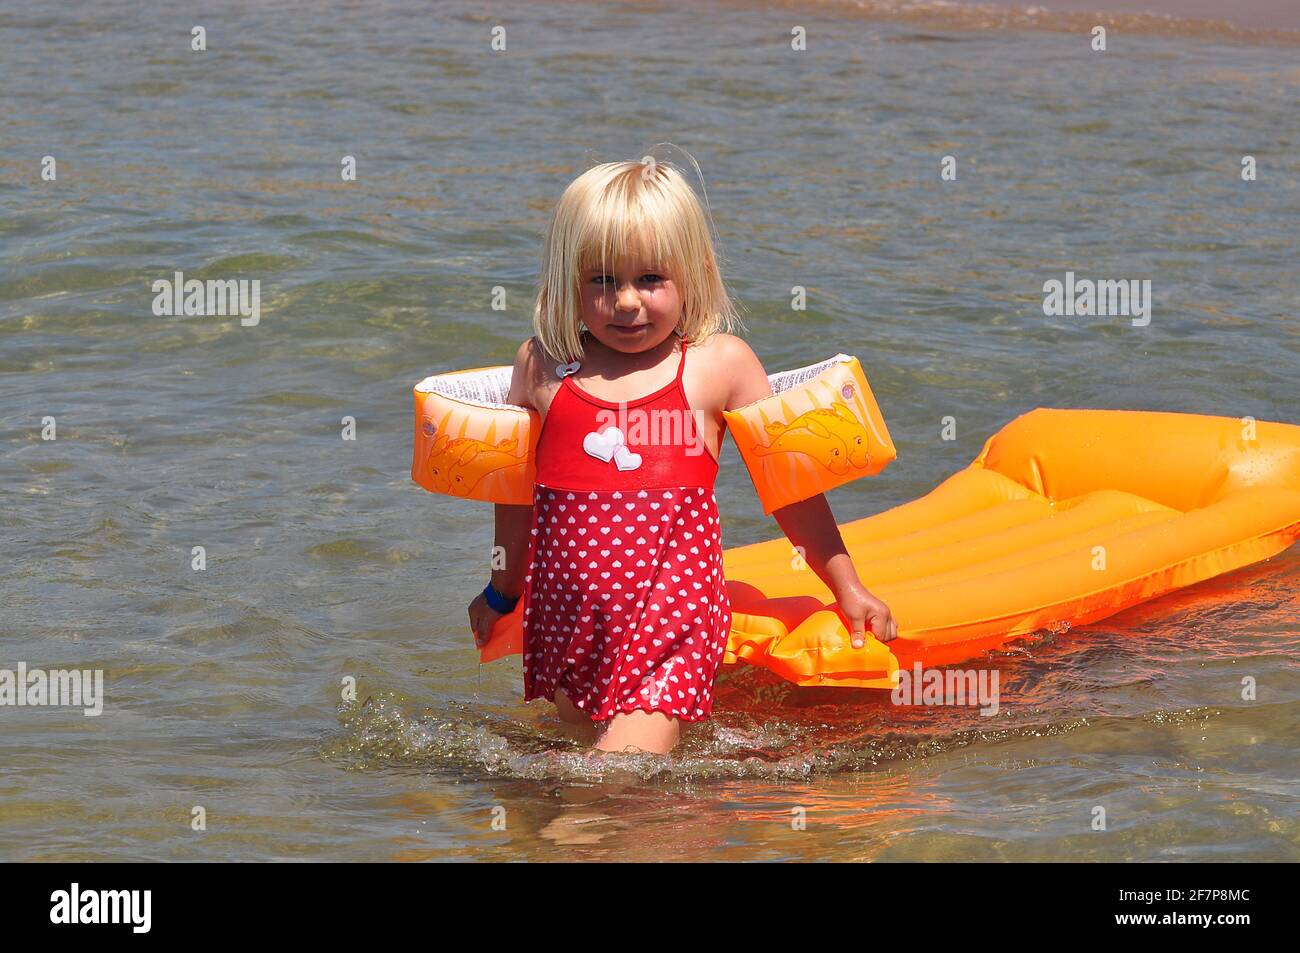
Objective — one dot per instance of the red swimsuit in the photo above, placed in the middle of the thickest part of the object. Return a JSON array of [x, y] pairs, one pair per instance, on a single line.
[[625, 606]]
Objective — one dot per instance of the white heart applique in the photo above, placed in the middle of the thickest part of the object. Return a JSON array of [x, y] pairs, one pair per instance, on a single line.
[[602, 445], [625, 459], [608, 445]]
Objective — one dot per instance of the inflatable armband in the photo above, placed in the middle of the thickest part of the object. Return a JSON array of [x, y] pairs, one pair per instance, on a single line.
[[820, 429], [469, 442]]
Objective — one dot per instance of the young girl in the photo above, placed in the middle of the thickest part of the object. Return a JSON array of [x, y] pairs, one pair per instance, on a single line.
[[619, 559]]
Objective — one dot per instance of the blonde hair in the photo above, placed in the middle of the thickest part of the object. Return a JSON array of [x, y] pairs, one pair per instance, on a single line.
[[616, 209]]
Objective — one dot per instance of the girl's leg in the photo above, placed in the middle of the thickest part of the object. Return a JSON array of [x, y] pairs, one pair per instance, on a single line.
[[651, 731], [578, 721], [638, 730]]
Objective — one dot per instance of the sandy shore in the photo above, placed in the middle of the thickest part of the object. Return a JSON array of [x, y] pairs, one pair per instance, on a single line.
[[1274, 22], [1251, 14]]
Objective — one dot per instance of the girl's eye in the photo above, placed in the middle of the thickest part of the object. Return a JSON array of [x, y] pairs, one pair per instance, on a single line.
[[650, 277]]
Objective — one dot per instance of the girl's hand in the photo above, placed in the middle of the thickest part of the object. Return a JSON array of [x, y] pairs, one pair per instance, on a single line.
[[481, 619], [864, 611]]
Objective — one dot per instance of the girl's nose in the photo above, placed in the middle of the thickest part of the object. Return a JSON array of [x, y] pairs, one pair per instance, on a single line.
[[628, 299]]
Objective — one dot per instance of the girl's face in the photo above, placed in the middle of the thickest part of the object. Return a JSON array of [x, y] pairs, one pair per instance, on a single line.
[[631, 306]]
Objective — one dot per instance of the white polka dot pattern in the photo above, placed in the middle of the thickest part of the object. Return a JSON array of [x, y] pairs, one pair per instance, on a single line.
[[626, 606]]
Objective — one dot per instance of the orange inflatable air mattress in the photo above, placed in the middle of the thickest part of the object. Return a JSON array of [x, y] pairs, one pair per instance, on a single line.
[[1065, 516]]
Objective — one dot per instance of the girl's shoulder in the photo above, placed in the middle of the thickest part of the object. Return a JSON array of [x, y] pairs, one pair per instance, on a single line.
[[720, 344], [738, 374], [533, 381]]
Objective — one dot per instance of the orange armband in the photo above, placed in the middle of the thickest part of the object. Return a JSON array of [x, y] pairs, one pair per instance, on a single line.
[[820, 428], [469, 442]]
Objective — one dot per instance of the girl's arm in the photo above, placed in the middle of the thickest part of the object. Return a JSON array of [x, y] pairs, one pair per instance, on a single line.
[[514, 520], [511, 549], [810, 524], [508, 570]]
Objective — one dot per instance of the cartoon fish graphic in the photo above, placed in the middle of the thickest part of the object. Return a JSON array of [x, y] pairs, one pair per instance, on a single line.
[[457, 465], [832, 436]]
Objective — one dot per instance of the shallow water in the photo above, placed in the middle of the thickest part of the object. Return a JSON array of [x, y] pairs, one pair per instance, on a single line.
[[325, 561]]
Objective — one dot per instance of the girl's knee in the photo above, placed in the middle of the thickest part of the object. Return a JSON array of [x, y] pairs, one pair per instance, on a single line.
[[568, 711], [640, 731]]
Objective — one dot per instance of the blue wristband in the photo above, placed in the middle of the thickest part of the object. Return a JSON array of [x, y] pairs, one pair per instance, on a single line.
[[498, 602]]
